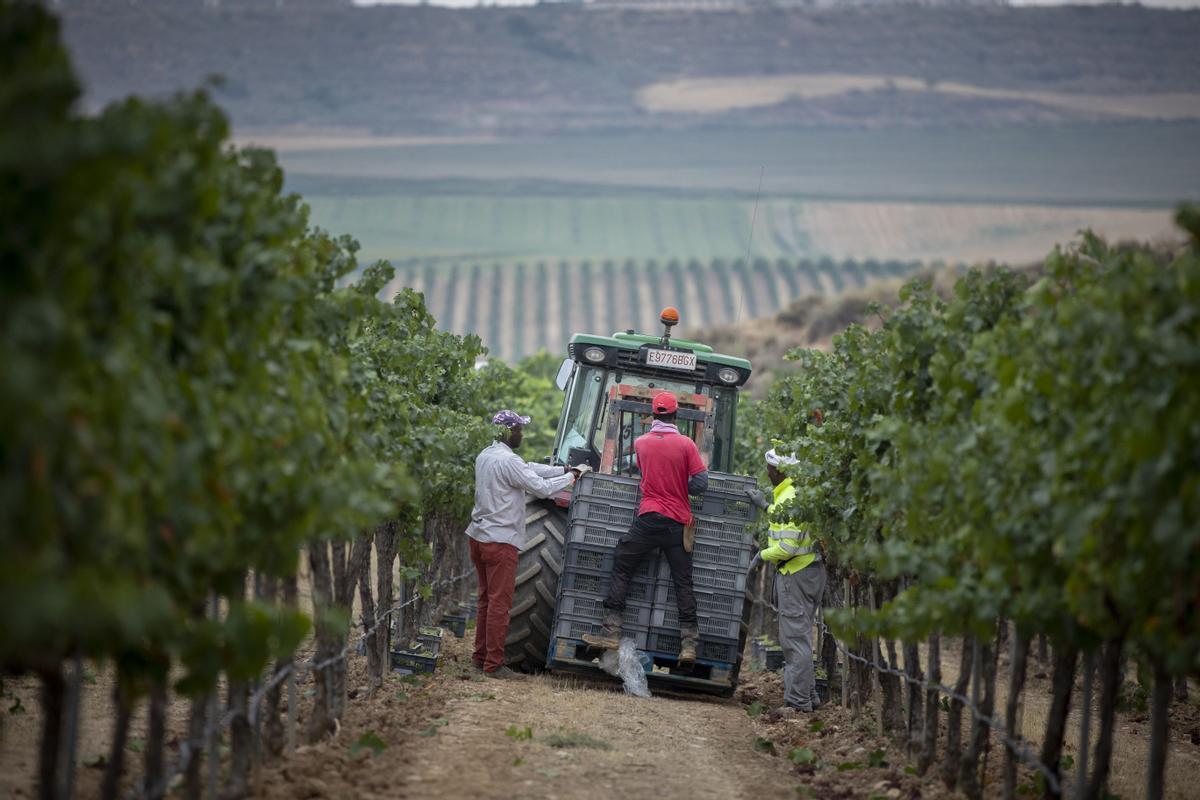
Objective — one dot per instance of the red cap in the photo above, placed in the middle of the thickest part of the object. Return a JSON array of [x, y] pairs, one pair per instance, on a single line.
[[665, 403]]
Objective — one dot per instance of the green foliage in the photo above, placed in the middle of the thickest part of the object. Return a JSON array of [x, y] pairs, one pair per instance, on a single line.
[[191, 390], [764, 745], [1025, 451], [755, 709], [519, 734], [368, 741], [802, 755]]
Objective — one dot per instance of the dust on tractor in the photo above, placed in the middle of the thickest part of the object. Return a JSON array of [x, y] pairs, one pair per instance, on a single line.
[[564, 568]]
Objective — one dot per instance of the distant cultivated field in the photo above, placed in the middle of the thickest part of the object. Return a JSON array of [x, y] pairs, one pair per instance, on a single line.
[[520, 307]]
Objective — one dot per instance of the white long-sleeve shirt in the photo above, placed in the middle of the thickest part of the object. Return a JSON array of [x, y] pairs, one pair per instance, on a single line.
[[501, 480]]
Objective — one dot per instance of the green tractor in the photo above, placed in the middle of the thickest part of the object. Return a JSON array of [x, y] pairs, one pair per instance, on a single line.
[[562, 576]]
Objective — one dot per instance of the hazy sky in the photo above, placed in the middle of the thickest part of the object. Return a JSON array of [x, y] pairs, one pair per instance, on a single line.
[[470, 3]]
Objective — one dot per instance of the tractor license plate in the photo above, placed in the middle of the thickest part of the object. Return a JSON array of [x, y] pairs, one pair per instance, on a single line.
[[671, 359]]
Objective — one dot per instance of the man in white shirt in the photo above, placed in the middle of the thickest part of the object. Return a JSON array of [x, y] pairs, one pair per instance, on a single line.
[[497, 532]]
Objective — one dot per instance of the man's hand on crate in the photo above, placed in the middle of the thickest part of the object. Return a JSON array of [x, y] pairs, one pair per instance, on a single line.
[[758, 498], [581, 469]]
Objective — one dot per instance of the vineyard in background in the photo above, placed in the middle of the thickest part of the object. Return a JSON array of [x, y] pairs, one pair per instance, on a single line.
[[524, 307]]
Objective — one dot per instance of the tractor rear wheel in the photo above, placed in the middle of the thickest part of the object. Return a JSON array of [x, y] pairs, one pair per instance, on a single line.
[[538, 571]]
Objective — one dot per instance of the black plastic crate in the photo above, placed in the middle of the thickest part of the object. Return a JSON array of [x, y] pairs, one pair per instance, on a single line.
[[723, 626], [410, 662], [611, 487], [710, 649], [725, 531], [773, 658], [595, 534], [595, 584], [590, 557], [720, 555], [566, 627], [605, 512], [457, 623], [720, 603], [582, 606]]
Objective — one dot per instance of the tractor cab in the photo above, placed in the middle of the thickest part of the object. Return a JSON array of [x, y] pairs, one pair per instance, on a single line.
[[608, 383]]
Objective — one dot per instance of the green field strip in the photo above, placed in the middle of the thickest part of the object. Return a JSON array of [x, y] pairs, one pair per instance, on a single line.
[[535, 317], [786, 272], [448, 302]]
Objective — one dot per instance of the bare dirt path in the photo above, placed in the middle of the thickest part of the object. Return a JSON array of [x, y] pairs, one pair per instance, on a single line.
[[587, 743]]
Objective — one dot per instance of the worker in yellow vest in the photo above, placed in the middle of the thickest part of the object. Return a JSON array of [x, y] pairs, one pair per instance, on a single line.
[[799, 585]]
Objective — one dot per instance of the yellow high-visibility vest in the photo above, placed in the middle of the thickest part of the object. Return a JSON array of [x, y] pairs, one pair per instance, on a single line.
[[789, 546]]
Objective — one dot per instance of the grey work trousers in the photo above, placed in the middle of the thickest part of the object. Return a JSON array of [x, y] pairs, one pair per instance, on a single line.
[[798, 595]]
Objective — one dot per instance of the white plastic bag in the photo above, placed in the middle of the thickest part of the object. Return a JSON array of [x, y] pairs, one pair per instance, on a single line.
[[627, 665]]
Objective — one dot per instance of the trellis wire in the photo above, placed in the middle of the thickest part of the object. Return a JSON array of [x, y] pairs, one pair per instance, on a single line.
[[188, 748], [1018, 747]]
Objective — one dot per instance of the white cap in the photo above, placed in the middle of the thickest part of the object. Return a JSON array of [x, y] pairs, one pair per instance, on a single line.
[[776, 460]]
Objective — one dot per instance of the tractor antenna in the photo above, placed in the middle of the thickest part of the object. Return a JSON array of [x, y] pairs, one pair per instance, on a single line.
[[750, 242]]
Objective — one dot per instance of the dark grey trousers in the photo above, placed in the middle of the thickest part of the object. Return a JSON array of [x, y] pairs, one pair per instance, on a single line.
[[798, 595], [650, 533]]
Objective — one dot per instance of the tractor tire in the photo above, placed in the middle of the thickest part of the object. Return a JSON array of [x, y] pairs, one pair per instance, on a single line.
[[539, 568]]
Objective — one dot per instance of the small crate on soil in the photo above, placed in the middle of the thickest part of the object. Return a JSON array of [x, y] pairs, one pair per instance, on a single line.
[[456, 623], [430, 638], [412, 662], [773, 658]]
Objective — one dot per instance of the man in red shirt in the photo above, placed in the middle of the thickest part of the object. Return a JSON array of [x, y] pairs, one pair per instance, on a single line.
[[671, 470]]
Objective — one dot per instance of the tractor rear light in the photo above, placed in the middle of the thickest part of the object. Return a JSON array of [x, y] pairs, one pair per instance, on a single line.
[[594, 354], [728, 375]]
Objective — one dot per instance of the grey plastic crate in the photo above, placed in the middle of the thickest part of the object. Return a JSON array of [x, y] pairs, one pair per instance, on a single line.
[[714, 603], [574, 628], [710, 624], [595, 534], [730, 484], [586, 509], [612, 487], [595, 584], [723, 505], [725, 531], [710, 649], [589, 557], [581, 606], [720, 555], [716, 578]]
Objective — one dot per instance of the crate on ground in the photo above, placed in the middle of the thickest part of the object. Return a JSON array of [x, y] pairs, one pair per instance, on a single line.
[[411, 661], [611, 487], [456, 623], [595, 583], [605, 512], [596, 534], [725, 627], [576, 606], [666, 643], [708, 601], [566, 627], [430, 637], [773, 658], [591, 557], [725, 531], [733, 557]]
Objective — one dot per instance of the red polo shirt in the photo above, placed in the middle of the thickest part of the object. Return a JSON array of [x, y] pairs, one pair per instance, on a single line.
[[667, 459]]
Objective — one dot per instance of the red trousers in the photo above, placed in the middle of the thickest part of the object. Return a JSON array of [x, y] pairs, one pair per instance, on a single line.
[[496, 567]]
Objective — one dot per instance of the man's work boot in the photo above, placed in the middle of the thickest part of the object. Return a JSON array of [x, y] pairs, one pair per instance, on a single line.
[[609, 637], [688, 639]]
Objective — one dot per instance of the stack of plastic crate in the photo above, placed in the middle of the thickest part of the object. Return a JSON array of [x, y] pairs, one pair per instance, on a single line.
[[601, 512], [720, 558]]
